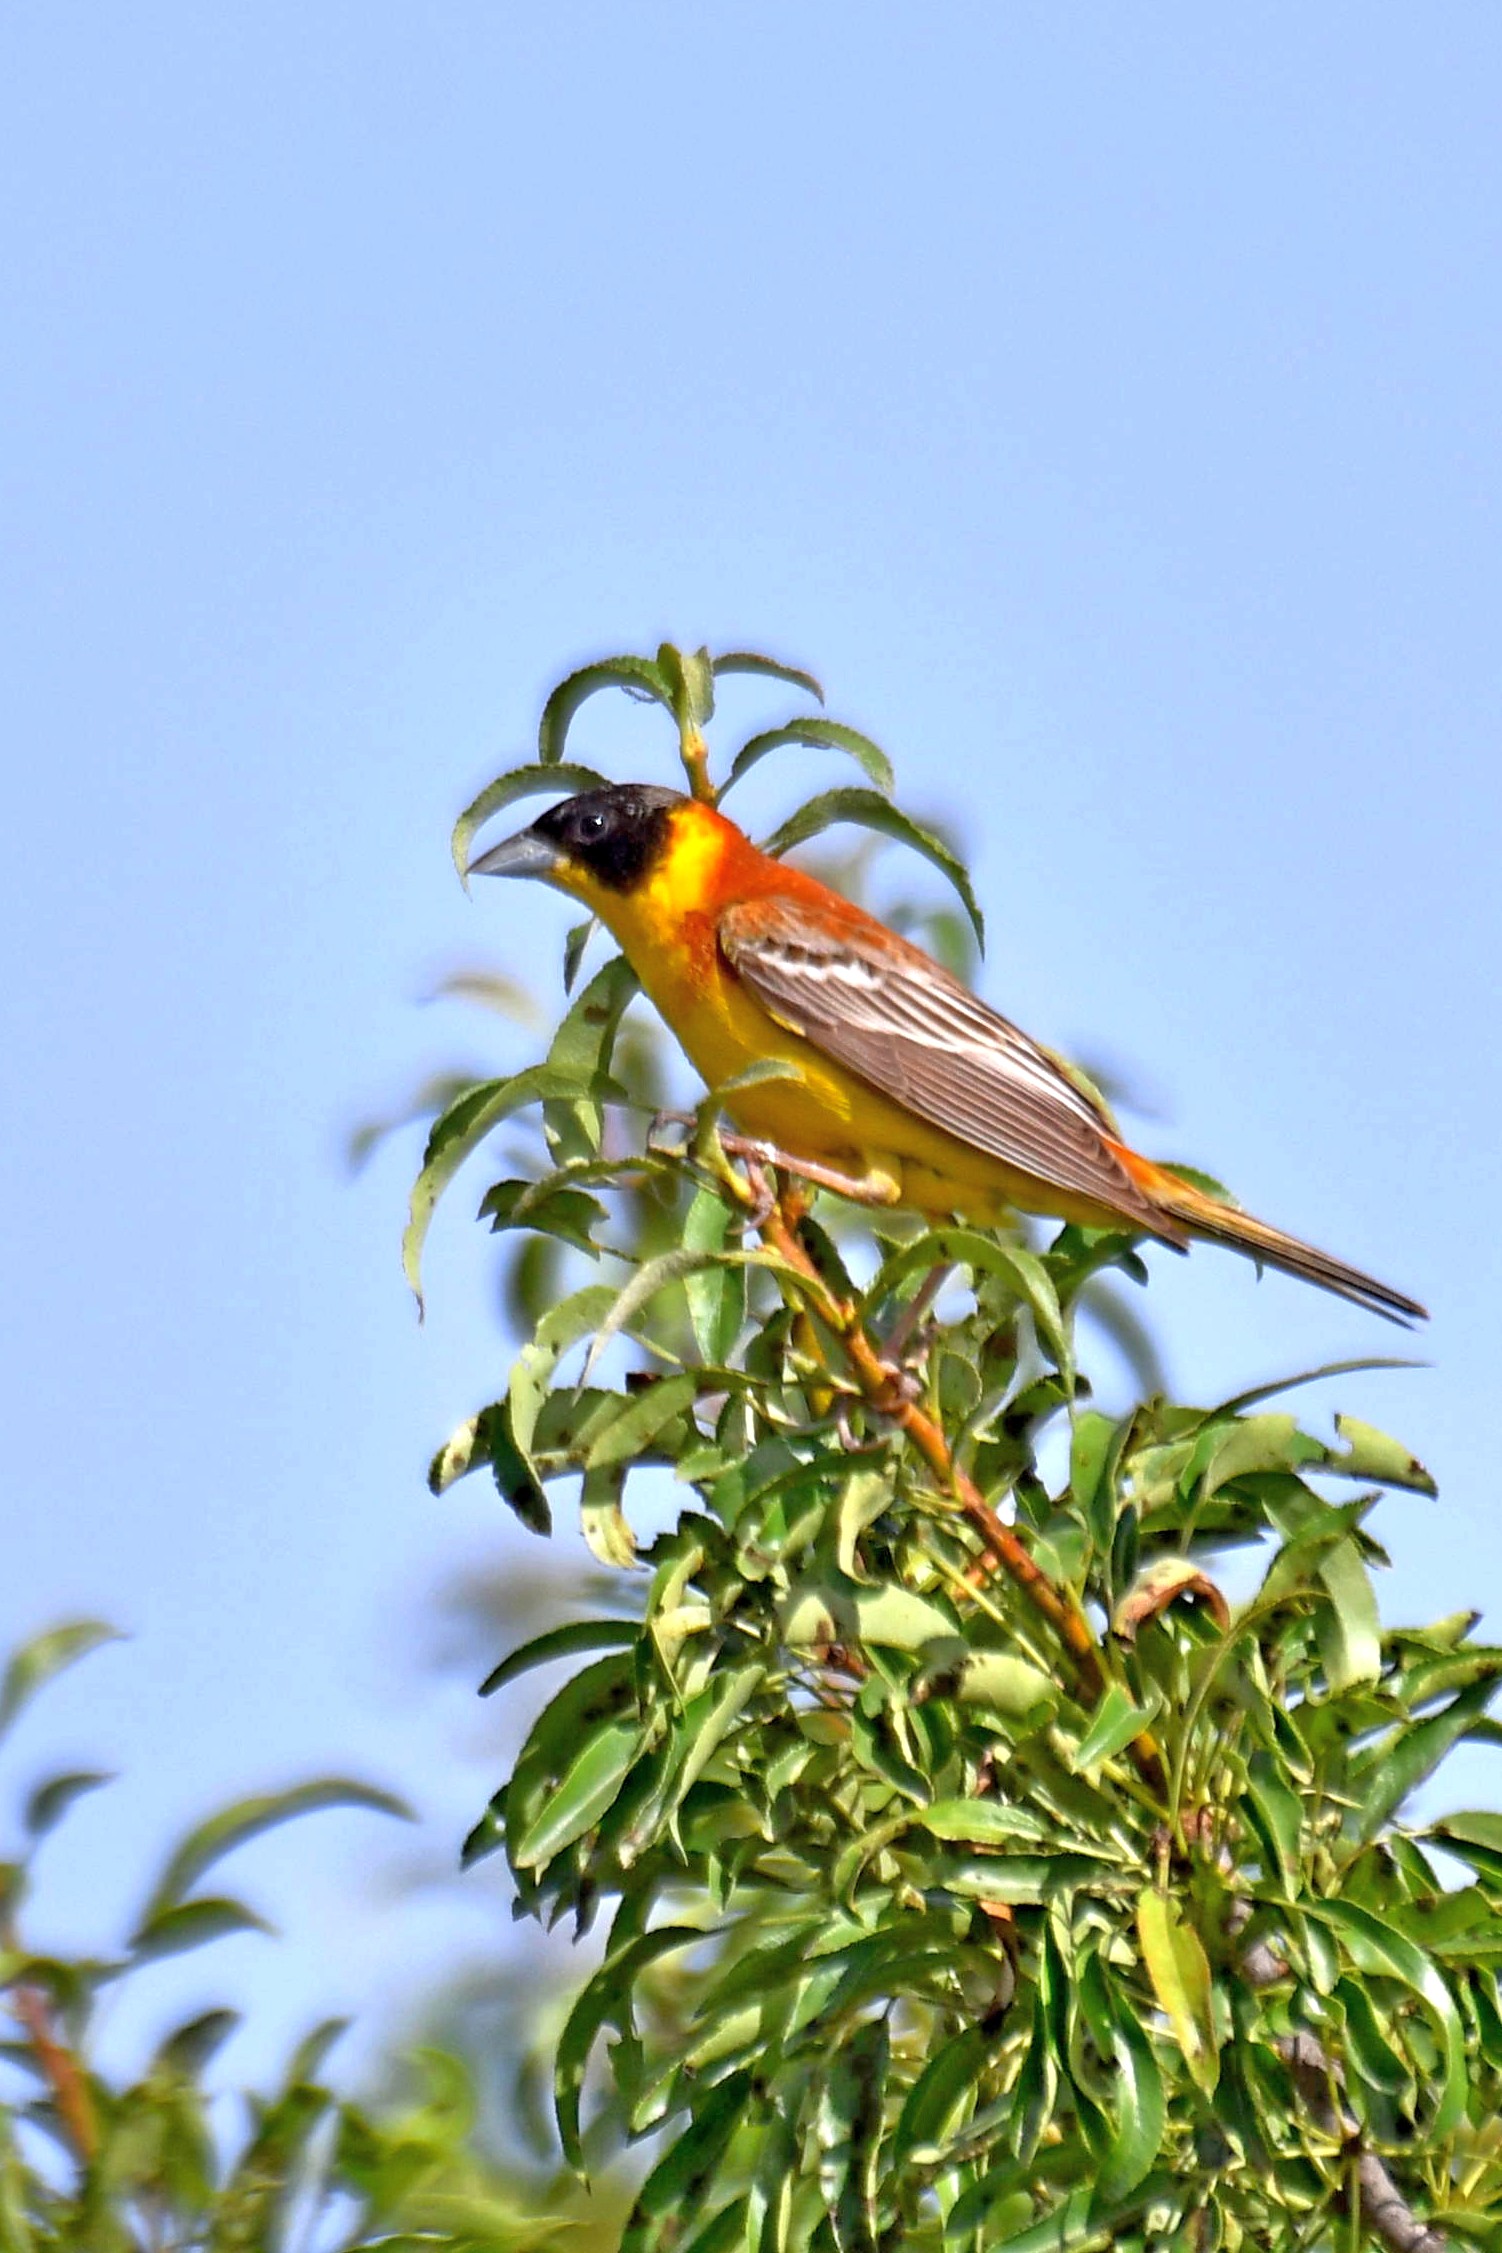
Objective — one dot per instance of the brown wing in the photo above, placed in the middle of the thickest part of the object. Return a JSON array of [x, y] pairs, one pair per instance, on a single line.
[[896, 1019]]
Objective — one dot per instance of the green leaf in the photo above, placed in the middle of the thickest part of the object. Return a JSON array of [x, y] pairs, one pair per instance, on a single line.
[[716, 1294], [602, 1520], [488, 1835], [551, 1209], [583, 1048], [1180, 1973], [604, 2000], [1478, 1827], [817, 1613], [1277, 1816], [1069, 2228], [1141, 2110], [36, 1662], [1012, 1687], [190, 2046], [848, 2125], [689, 679], [982, 1822], [307, 2060], [47, 1803], [1376, 1947], [533, 1370], [643, 1415], [816, 735], [1241, 1400], [574, 944], [869, 810], [560, 1642], [1025, 1880], [490, 1437], [1370, 1454], [1115, 1723], [680, 2182], [1090, 1447], [1233, 1450], [190, 1924], [1378, 2065], [864, 1497], [770, 668], [529, 781], [464, 1126], [208, 1842], [1399, 1762], [587, 1787], [940, 2093], [1351, 1634], [638, 675], [573, 1765]]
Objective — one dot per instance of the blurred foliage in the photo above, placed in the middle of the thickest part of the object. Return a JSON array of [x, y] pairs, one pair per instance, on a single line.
[[107, 2164], [971, 1874]]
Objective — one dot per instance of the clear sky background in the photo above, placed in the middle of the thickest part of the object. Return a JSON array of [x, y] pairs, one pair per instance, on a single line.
[[1106, 402]]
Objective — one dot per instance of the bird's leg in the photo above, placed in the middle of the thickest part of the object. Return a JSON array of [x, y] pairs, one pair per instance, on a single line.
[[763, 1195], [874, 1187]]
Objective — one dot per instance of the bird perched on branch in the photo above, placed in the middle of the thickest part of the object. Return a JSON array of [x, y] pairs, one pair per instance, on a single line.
[[906, 1089]]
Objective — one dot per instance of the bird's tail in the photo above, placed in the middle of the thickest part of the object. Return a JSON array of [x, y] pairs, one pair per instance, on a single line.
[[1218, 1223]]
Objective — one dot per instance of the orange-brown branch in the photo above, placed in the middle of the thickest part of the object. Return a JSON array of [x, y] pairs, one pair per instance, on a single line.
[[64, 2075], [1003, 1545]]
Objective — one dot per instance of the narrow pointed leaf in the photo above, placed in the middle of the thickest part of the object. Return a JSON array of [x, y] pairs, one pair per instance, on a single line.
[[587, 1787], [680, 2182], [463, 1127], [1141, 2110], [816, 735], [1351, 1637], [1400, 1762], [48, 1802], [191, 1924], [769, 668], [716, 1294], [560, 1642], [605, 2000], [1375, 1946], [987, 1255], [639, 675], [1115, 1723], [1370, 1454], [1180, 1973], [208, 1842], [47, 1654]]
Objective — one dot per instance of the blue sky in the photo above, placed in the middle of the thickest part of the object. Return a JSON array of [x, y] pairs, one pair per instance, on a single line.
[[1104, 402]]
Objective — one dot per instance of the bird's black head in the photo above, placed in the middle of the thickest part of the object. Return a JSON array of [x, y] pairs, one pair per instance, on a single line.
[[611, 836]]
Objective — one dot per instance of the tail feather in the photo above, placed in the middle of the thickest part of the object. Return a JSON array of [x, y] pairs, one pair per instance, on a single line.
[[1217, 1223]]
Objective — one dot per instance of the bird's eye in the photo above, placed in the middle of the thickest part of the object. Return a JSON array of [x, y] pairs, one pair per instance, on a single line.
[[591, 825]]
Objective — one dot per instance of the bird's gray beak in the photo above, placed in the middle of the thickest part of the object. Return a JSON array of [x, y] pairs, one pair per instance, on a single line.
[[525, 854]]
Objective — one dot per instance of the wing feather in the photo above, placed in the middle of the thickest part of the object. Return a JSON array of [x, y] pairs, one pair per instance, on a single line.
[[887, 1012]]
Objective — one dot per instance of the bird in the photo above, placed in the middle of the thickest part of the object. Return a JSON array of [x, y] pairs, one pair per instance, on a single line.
[[902, 1087]]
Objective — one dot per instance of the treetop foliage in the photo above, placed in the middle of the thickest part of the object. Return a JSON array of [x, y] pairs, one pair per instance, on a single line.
[[974, 1874]]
